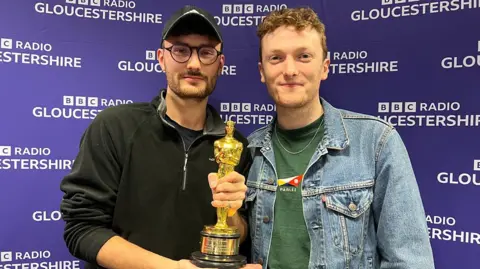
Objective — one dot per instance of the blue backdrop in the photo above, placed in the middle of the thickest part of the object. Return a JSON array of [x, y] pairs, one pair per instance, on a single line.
[[415, 63]]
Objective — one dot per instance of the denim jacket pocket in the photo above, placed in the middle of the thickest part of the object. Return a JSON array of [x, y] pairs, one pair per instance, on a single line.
[[347, 214]]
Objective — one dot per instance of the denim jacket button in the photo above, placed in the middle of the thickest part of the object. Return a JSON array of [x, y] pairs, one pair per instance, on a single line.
[[260, 261], [352, 207], [270, 181], [266, 219]]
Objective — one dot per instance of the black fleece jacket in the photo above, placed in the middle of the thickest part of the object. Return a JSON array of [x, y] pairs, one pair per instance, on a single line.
[[133, 178]]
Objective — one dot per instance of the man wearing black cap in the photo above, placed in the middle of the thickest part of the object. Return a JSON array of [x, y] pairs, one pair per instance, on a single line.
[[138, 195]]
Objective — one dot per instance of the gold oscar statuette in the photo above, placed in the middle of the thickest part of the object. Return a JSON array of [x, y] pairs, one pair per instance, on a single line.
[[220, 243]]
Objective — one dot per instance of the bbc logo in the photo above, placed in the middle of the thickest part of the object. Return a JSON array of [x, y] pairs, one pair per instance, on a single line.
[[5, 151], [150, 55], [397, 107], [237, 9], [80, 101], [235, 107], [95, 3], [6, 43], [476, 165], [5, 256], [391, 2]]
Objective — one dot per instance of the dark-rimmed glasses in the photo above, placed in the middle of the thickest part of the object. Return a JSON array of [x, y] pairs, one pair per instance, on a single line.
[[181, 53]]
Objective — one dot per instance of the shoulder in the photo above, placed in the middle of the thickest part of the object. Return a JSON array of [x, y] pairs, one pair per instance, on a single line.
[[364, 123], [135, 110], [122, 119], [352, 116]]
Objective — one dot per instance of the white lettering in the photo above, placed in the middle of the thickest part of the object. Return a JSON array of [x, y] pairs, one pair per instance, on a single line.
[[98, 13], [442, 106], [264, 107], [364, 67], [35, 164], [350, 55], [114, 102], [248, 119], [139, 67], [414, 10], [462, 179], [45, 216], [465, 62], [36, 59], [32, 151], [35, 46], [433, 120], [119, 3], [32, 255], [270, 8], [453, 235], [66, 113], [239, 20], [229, 70], [43, 265], [441, 220]]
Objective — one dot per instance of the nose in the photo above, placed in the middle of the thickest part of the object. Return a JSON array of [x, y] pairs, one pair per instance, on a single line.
[[194, 62], [290, 67]]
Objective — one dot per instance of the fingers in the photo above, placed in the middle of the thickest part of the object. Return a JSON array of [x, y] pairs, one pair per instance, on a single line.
[[230, 187], [233, 204], [233, 177], [229, 196], [213, 180], [252, 266]]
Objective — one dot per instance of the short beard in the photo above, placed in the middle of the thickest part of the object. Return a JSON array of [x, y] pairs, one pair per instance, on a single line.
[[173, 80]]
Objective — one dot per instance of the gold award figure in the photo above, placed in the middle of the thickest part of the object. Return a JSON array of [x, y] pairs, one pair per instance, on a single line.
[[220, 243]]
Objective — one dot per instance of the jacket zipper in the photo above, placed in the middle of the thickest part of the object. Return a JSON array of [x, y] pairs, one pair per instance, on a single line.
[[184, 183], [185, 170]]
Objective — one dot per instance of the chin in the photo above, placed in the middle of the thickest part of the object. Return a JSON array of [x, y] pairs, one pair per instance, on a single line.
[[290, 104], [196, 92], [290, 100]]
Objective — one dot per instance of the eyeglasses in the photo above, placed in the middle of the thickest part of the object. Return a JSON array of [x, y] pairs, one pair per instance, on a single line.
[[181, 53]]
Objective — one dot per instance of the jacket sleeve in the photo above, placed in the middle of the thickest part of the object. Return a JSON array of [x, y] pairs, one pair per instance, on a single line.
[[90, 192], [243, 168], [402, 232]]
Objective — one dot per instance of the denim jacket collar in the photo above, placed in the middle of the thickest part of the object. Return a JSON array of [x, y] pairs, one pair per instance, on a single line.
[[336, 136]]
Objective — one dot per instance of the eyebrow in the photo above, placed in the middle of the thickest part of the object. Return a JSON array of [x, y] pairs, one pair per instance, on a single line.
[[296, 50]]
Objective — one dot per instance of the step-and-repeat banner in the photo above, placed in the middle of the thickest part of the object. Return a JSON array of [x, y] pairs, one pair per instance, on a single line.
[[414, 63]]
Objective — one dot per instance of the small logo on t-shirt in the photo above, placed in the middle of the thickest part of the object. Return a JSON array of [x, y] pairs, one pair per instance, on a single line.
[[290, 184]]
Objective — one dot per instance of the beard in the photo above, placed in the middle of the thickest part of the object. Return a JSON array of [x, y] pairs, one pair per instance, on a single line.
[[200, 90]]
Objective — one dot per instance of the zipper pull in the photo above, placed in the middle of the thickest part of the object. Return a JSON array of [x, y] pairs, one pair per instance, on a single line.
[[185, 164]]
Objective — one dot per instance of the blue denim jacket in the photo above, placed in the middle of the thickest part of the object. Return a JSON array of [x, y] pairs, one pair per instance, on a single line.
[[361, 202]]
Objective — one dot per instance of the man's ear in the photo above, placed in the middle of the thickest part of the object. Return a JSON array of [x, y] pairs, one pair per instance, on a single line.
[[325, 68], [222, 64], [161, 58], [260, 69]]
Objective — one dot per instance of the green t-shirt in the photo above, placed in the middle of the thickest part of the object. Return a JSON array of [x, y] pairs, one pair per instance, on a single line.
[[290, 247]]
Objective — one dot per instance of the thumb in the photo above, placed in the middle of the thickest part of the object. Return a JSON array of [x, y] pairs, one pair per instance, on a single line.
[[212, 180]]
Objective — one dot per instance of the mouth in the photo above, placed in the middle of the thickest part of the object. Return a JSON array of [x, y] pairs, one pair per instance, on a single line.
[[292, 84], [192, 78]]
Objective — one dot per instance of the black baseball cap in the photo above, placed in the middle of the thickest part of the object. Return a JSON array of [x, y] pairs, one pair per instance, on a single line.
[[191, 19]]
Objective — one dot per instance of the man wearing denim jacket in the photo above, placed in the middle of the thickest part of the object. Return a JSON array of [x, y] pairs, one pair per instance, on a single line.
[[328, 188]]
